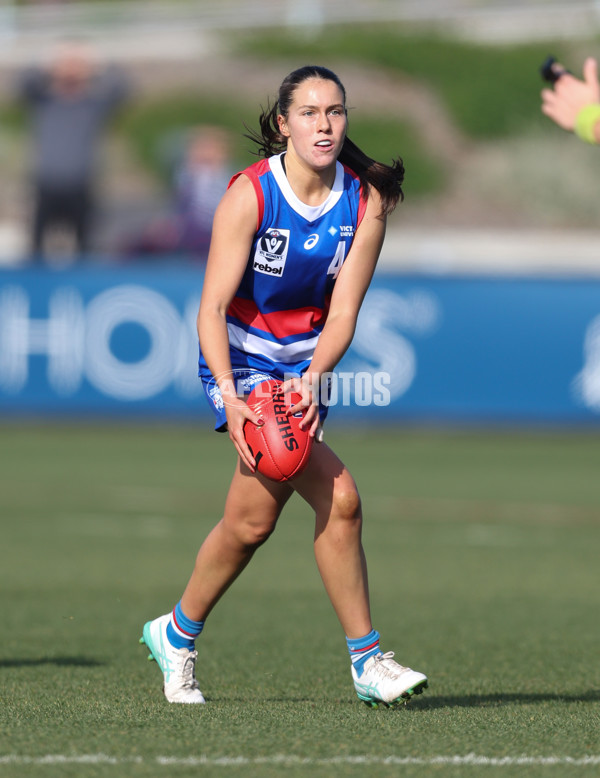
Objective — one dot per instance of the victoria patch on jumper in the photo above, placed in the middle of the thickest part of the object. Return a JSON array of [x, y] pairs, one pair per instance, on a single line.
[[271, 252]]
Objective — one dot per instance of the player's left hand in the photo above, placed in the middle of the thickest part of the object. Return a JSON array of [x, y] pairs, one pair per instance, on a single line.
[[309, 402]]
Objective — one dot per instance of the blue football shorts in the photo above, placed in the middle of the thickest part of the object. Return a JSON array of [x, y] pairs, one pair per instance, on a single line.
[[245, 381]]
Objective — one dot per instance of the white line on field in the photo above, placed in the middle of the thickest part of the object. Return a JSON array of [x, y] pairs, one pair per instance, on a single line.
[[284, 760]]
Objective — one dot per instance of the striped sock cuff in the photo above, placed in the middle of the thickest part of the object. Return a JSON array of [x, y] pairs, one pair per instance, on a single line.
[[181, 630], [361, 649]]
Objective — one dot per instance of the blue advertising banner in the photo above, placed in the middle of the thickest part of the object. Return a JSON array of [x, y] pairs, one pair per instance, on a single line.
[[104, 341]]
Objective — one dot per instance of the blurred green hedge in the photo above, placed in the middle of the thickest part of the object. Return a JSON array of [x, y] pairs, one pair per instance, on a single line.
[[153, 130], [490, 91]]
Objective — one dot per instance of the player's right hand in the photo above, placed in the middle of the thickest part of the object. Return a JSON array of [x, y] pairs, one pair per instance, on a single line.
[[238, 412]]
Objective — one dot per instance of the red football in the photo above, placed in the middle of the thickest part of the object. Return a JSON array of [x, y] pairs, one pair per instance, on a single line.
[[281, 449]]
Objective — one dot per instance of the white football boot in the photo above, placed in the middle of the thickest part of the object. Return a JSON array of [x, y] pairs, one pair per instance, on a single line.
[[385, 681], [177, 664]]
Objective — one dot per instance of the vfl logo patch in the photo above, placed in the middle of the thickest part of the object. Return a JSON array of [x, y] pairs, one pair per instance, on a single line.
[[215, 395], [271, 252]]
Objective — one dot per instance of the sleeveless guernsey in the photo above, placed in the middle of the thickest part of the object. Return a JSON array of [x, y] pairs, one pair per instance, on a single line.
[[280, 308]]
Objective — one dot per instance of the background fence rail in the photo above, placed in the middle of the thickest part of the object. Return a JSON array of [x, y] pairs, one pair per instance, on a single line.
[[492, 20]]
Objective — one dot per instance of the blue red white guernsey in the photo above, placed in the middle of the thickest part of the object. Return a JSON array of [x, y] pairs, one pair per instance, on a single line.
[[280, 308]]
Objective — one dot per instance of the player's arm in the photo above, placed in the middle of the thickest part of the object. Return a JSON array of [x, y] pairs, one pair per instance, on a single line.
[[233, 232], [348, 294], [574, 104]]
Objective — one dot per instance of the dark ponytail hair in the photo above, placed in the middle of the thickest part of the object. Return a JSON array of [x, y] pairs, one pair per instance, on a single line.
[[386, 179]]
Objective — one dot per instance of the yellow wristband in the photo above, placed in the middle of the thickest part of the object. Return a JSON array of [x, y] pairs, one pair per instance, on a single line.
[[585, 122]]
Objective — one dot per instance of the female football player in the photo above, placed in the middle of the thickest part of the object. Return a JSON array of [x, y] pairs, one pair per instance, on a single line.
[[294, 246]]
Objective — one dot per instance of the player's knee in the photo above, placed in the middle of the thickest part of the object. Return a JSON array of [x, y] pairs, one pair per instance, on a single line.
[[253, 535], [346, 503]]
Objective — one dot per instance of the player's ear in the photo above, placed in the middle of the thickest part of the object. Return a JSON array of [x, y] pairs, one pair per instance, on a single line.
[[282, 124]]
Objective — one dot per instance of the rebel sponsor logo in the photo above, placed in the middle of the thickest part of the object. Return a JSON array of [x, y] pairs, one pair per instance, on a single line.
[[271, 252]]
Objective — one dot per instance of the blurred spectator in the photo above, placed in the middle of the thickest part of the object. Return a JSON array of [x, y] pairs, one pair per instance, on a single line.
[[69, 102], [199, 182]]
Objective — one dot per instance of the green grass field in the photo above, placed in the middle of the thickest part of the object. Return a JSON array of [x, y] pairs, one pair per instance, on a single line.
[[483, 553]]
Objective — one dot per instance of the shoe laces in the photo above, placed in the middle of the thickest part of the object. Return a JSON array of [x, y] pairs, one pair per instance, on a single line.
[[188, 666], [385, 666]]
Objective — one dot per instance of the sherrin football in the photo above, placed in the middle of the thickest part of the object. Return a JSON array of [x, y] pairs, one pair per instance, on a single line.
[[280, 448]]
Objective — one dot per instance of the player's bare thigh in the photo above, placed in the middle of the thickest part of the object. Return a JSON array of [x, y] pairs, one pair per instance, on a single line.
[[327, 485], [254, 503]]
